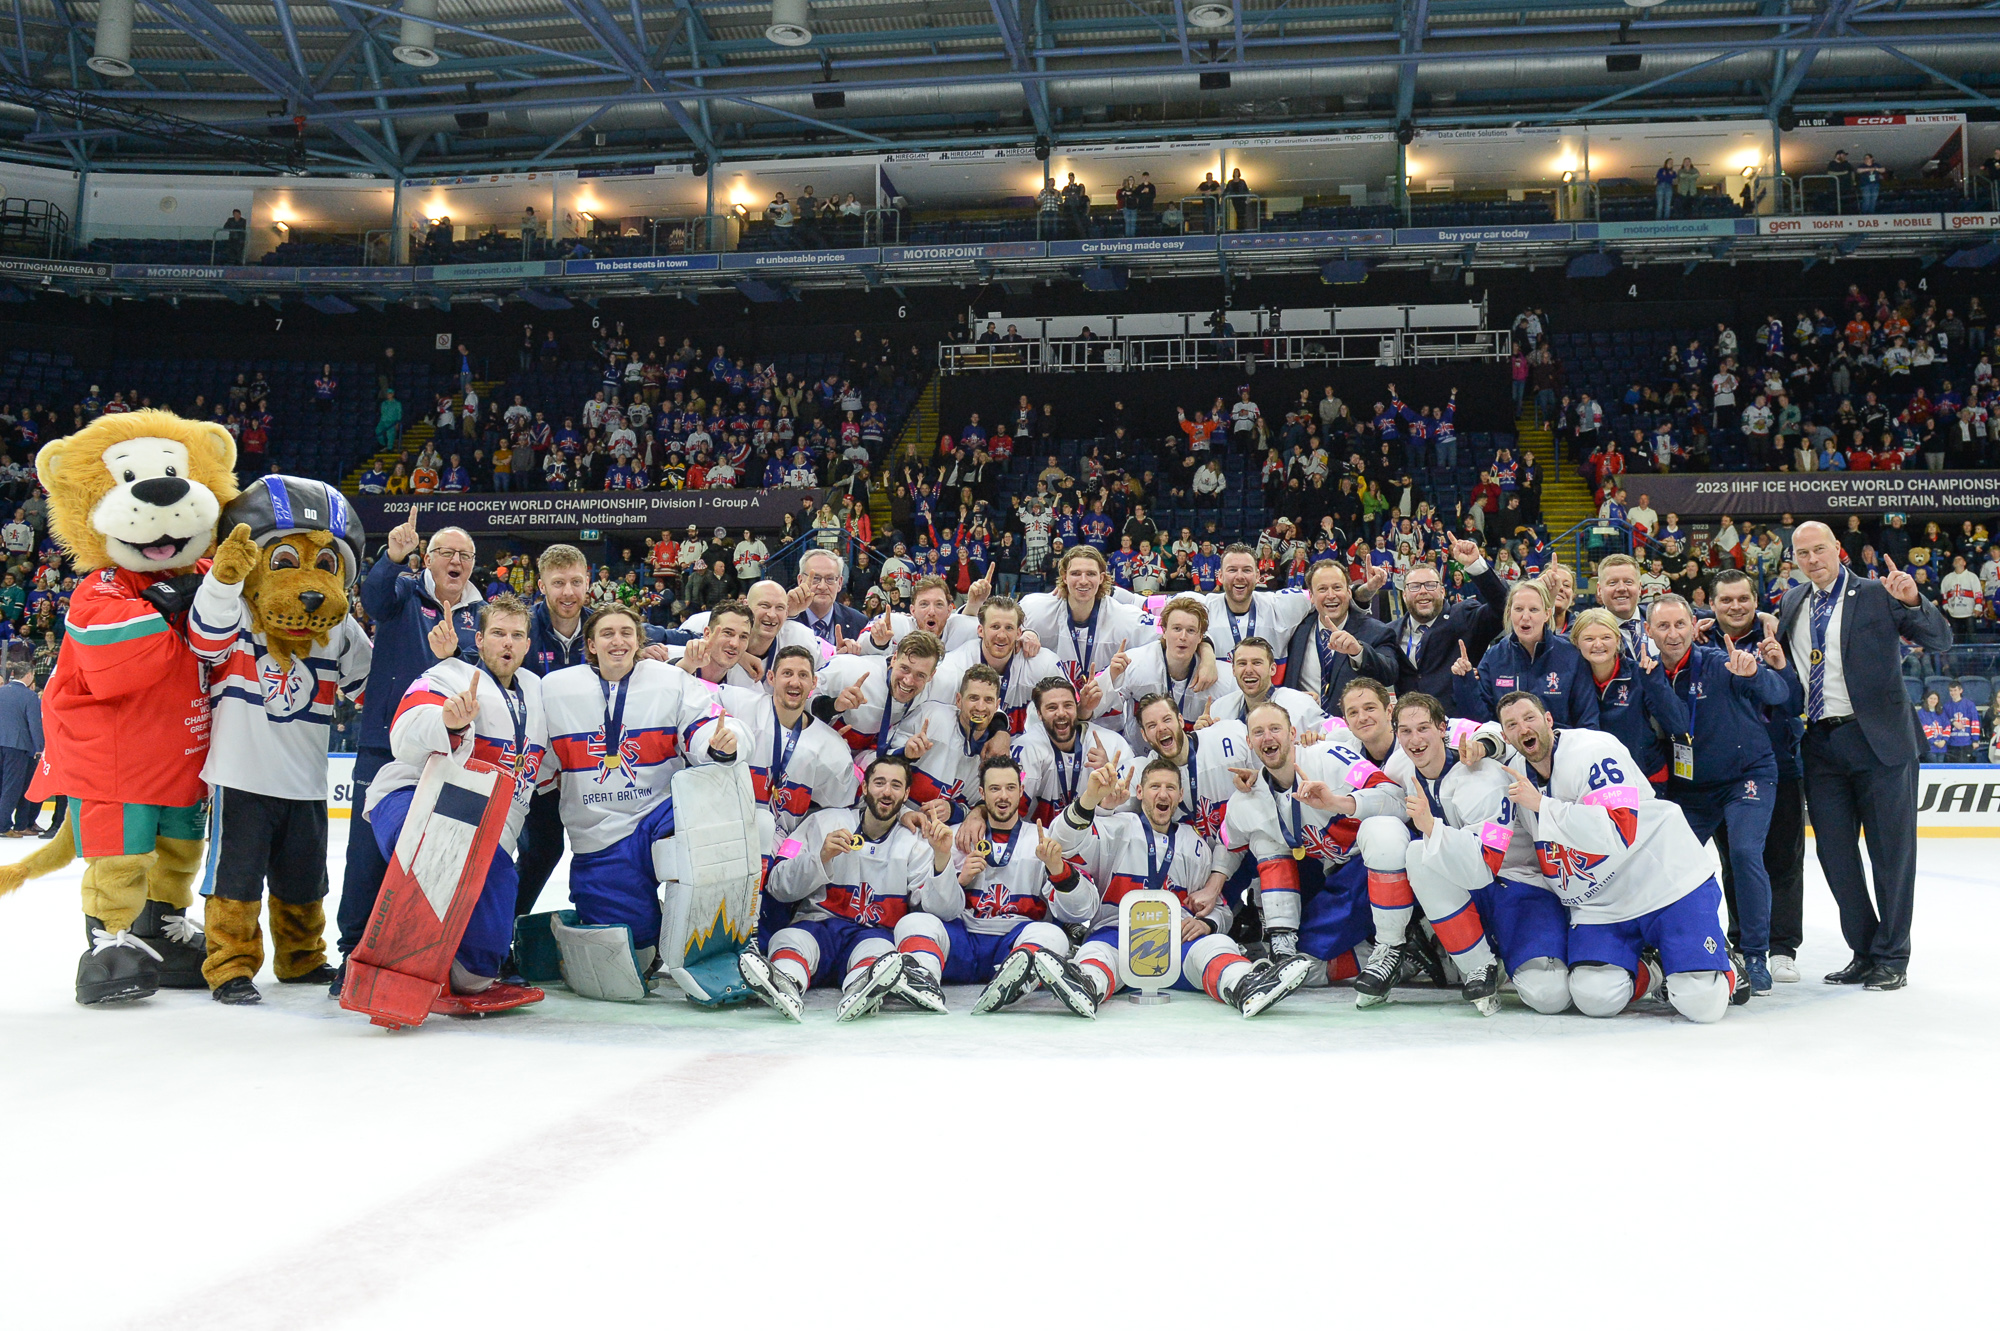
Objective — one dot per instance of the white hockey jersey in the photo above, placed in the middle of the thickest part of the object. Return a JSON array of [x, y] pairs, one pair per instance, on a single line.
[[1123, 854], [269, 725], [949, 769], [792, 771], [1146, 673], [1014, 888], [1051, 776], [510, 733], [618, 746], [1271, 824], [1083, 649], [1479, 835], [1273, 616], [1303, 708], [879, 724], [1609, 847], [874, 884], [1017, 681], [1206, 784]]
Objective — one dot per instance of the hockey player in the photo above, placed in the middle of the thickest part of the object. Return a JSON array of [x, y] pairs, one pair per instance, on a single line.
[[1205, 758], [1018, 891], [1626, 865], [871, 701], [1085, 622], [1255, 669], [1724, 771], [1168, 666], [771, 629], [1474, 866], [857, 877], [270, 715], [1296, 803], [951, 740], [620, 727], [1062, 750], [798, 763], [717, 657], [1151, 849], [1239, 612], [491, 712], [999, 650], [930, 612]]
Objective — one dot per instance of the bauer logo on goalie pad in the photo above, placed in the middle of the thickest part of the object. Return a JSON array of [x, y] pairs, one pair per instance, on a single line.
[[1149, 927]]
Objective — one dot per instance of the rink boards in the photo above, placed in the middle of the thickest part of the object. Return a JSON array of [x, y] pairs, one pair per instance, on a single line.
[[1953, 799]]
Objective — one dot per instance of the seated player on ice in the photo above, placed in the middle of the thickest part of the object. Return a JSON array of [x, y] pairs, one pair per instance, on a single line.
[[1153, 850], [1643, 905], [491, 712], [857, 878], [1017, 891], [1474, 866]]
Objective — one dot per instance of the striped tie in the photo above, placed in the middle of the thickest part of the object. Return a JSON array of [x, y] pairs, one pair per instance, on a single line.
[[1822, 615]]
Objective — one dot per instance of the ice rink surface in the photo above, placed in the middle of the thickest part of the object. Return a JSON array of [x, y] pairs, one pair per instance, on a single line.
[[1825, 1156]]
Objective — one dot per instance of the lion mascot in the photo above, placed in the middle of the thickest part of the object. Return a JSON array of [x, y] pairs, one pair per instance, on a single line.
[[134, 499], [271, 620]]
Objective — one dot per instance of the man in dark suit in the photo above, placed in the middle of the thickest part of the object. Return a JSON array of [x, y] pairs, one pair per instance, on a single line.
[[20, 745], [1860, 747], [821, 575], [1429, 632], [1338, 642]]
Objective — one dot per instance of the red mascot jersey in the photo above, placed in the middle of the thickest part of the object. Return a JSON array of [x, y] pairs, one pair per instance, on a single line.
[[125, 716]]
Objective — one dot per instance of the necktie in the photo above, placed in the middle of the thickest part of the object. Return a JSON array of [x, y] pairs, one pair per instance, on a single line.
[[824, 630], [1822, 616], [1633, 645]]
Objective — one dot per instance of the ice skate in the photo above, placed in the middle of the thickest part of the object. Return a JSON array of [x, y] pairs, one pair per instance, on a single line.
[[1271, 983], [770, 984], [1740, 989], [118, 966], [865, 998], [1482, 989], [1281, 944], [1061, 977], [1385, 966], [916, 986], [1009, 982]]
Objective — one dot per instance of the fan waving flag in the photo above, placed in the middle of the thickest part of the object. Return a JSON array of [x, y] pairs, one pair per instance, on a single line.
[[448, 840]]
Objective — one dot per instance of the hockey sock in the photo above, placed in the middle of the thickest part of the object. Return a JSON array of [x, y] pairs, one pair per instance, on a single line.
[[793, 964], [1100, 966], [1389, 900], [1343, 967], [1463, 934]]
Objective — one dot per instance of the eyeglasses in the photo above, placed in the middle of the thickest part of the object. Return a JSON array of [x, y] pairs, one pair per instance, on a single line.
[[452, 556]]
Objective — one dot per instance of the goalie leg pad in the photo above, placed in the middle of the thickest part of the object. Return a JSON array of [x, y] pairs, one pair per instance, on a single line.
[[536, 955], [619, 884], [598, 960], [713, 880]]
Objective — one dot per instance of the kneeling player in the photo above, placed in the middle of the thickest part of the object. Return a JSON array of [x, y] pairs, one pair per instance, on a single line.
[[1151, 850], [857, 879], [1474, 867], [1625, 863], [1017, 892], [491, 712]]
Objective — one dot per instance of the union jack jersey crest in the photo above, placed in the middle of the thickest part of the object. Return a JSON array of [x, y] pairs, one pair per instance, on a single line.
[[621, 762], [1567, 863]]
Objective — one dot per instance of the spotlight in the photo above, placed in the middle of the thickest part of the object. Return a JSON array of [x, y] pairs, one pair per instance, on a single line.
[[700, 162], [1406, 132], [1569, 177], [1042, 147]]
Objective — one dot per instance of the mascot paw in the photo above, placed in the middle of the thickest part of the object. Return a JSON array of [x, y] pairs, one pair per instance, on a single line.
[[236, 556]]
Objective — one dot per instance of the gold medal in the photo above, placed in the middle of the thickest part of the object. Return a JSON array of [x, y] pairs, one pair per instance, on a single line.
[[1298, 852], [982, 848]]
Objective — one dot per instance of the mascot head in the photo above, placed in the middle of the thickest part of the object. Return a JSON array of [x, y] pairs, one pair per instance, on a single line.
[[140, 490], [308, 541]]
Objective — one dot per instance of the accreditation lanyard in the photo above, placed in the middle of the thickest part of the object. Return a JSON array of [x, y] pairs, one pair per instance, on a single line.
[[1295, 835], [1684, 744], [1157, 873], [517, 712]]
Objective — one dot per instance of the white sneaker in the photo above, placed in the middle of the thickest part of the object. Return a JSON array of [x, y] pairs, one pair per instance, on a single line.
[[1784, 969]]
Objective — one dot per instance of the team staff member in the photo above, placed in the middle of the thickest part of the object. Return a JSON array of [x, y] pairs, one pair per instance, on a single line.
[[1723, 771], [555, 641], [1636, 704], [411, 612], [1429, 632], [1860, 749], [1531, 657], [1336, 644], [1735, 600]]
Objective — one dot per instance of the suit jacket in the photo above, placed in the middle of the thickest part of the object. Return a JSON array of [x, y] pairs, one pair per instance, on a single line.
[[1474, 622], [20, 718], [844, 616], [1871, 622], [1379, 656]]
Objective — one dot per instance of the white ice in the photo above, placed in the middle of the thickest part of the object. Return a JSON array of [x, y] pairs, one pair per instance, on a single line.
[[1823, 1157]]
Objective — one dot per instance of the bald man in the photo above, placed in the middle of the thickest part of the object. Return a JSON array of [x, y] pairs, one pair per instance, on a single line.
[[1860, 750]]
